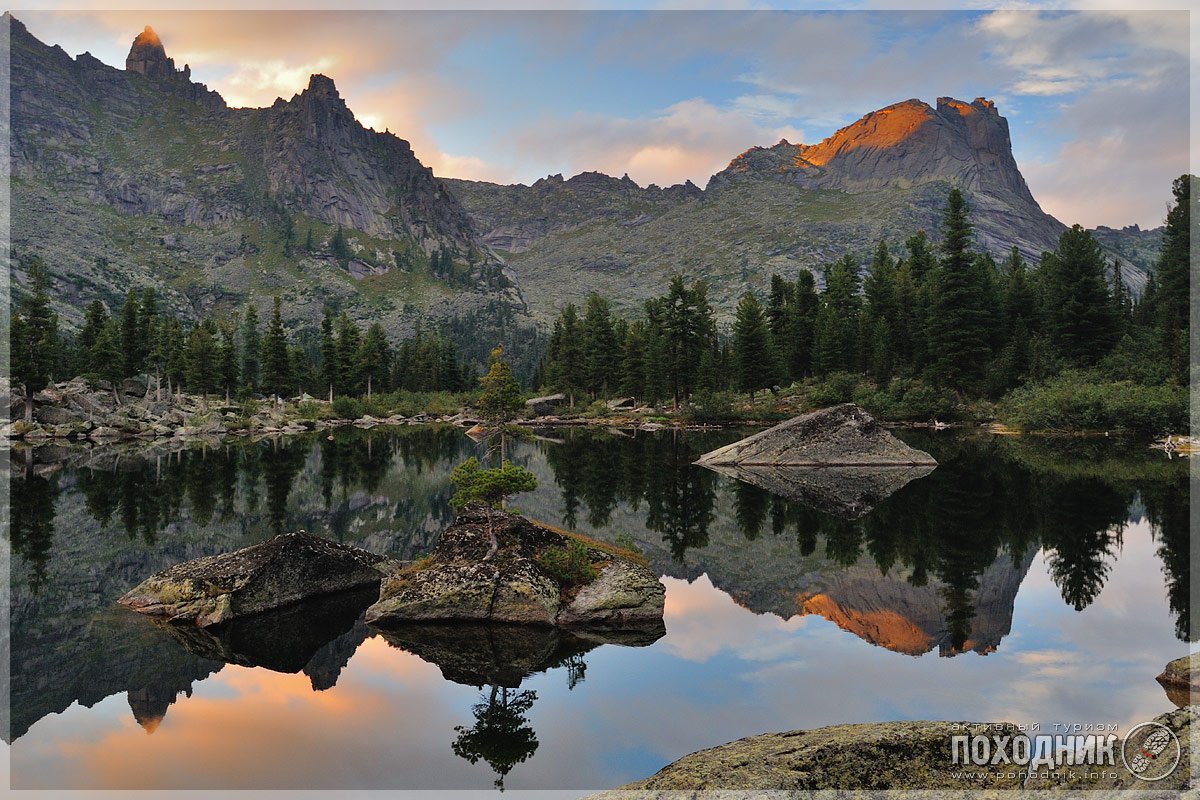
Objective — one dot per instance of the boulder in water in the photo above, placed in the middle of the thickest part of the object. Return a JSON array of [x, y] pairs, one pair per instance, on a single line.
[[841, 436], [456, 584], [278, 572]]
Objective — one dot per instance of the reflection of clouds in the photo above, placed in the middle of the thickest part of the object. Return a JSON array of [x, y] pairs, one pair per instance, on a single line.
[[722, 672], [703, 621]]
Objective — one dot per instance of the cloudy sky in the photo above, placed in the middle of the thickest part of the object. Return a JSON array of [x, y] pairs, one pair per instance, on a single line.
[[1097, 101]]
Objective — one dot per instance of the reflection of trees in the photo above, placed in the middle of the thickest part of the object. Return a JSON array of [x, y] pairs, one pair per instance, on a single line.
[[1167, 508], [281, 462], [32, 522], [751, 505], [1082, 524], [501, 735]]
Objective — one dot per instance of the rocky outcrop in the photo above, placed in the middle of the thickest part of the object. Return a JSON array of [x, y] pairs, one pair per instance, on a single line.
[[1181, 679], [456, 584], [548, 404], [841, 436], [283, 570], [887, 756]]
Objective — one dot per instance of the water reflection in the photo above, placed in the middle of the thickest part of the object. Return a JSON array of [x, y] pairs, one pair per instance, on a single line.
[[934, 567]]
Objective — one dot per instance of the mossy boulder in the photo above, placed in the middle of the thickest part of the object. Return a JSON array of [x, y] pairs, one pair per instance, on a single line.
[[278, 572], [456, 583]]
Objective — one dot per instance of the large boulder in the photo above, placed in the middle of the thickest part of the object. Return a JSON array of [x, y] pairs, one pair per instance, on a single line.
[[841, 436], [1181, 679], [455, 583], [541, 406], [278, 572]]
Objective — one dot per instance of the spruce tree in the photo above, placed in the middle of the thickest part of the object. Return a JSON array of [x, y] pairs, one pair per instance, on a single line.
[[33, 336], [600, 352], [375, 357], [1080, 317], [752, 347], [835, 333], [802, 319], [228, 358], [330, 371], [276, 365], [1172, 311], [94, 319], [960, 319], [501, 398], [202, 359], [131, 348], [251, 350], [349, 369]]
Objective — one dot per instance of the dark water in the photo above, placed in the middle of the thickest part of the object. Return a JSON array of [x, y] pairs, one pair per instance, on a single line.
[[1019, 581]]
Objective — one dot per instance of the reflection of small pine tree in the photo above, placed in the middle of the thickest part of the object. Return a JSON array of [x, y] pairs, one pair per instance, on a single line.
[[501, 735]]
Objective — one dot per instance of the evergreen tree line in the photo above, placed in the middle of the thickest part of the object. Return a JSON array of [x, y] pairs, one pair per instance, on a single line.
[[231, 355], [942, 313]]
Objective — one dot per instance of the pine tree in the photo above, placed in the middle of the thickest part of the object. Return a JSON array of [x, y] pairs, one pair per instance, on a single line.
[[147, 318], [33, 336], [1080, 316], [501, 398], [276, 366], [251, 350], [777, 308], [348, 342], [802, 320], [131, 348], [633, 367], [330, 370], [1172, 304], [94, 319], [960, 319], [566, 368], [836, 328], [228, 358], [375, 356], [600, 351], [752, 347], [202, 359]]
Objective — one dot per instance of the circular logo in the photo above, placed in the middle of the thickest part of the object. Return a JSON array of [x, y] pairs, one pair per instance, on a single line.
[[1150, 751]]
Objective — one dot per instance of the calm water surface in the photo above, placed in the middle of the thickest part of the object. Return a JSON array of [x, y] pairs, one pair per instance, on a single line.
[[1019, 581]]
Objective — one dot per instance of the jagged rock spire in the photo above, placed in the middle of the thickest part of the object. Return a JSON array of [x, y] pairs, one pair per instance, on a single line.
[[148, 57]]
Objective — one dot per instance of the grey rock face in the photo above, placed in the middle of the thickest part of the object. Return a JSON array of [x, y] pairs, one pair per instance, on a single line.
[[283, 570], [841, 436], [456, 584]]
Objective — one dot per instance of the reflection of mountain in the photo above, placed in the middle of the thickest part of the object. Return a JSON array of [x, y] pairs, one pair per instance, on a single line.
[[887, 611], [115, 651]]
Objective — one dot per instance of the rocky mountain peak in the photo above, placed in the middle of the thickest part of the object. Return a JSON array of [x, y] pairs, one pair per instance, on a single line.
[[322, 86], [148, 57]]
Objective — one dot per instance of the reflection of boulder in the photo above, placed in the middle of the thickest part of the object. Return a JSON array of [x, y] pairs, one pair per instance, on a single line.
[[288, 640], [889, 612], [504, 655], [280, 571], [1181, 679], [841, 436], [845, 492]]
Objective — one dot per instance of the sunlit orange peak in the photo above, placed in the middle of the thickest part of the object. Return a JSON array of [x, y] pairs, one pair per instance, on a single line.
[[147, 37]]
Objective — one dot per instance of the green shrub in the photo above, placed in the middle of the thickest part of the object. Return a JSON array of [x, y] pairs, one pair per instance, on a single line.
[[312, 410], [710, 407], [347, 407], [250, 407], [569, 566], [1081, 401], [835, 388]]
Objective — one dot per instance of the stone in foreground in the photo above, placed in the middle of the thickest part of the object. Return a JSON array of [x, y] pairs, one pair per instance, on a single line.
[[1181, 679], [456, 584], [841, 436], [889, 756], [278, 572]]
